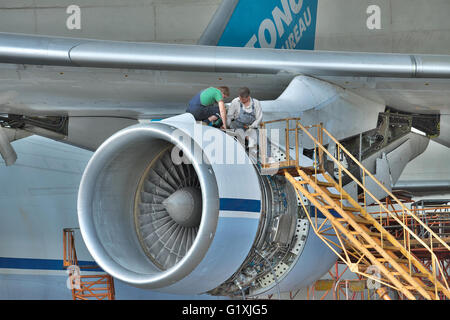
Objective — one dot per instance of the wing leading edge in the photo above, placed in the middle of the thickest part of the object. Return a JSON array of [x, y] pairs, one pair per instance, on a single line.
[[403, 75], [41, 50]]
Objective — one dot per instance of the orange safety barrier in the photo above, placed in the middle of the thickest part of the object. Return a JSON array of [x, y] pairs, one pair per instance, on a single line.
[[84, 287]]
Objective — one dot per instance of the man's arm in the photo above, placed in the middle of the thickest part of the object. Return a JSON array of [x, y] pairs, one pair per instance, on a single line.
[[223, 113]]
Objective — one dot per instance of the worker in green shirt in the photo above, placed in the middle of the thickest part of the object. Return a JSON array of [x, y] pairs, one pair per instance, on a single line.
[[203, 105]]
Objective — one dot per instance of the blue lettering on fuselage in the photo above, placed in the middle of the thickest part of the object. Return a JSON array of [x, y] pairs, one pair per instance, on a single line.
[[281, 24]]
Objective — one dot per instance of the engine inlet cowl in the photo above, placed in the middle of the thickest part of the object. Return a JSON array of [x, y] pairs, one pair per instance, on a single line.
[[156, 223]]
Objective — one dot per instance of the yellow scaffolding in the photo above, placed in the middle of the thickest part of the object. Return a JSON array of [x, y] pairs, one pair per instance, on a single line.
[[348, 226]]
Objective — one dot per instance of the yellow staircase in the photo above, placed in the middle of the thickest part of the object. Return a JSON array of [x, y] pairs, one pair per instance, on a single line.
[[350, 227]]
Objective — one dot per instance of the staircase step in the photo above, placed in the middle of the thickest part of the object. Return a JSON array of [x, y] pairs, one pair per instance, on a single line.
[[357, 220], [337, 196], [331, 195], [390, 248], [372, 234], [324, 184], [349, 209], [399, 260], [429, 289], [311, 170], [414, 275]]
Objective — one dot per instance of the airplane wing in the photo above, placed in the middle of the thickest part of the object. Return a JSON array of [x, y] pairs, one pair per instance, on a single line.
[[112, 71], [59, 51]]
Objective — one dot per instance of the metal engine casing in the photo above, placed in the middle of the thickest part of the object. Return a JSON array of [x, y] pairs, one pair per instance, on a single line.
[[238, 220]]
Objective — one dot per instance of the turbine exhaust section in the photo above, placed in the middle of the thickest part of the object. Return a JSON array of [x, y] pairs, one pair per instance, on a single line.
[[179, 207]]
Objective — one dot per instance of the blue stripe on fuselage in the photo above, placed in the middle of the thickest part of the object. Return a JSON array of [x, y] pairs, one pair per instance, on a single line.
[[235, 204], [226, 204], [39, 264]]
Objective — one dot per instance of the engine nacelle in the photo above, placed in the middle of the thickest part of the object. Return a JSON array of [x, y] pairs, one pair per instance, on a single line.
[[179, 207]]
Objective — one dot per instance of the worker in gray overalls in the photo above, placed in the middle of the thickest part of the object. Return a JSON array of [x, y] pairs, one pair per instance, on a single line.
[[245, 113]]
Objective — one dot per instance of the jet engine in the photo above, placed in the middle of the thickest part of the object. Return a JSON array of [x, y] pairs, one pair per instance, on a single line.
[[179, 207]]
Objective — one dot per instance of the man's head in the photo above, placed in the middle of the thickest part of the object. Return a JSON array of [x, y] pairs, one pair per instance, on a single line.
[[225, 91], [244, 94]]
